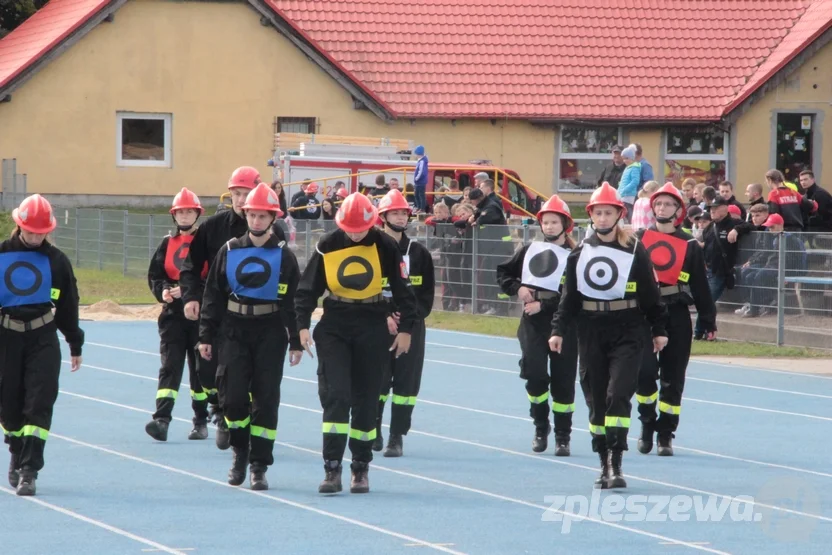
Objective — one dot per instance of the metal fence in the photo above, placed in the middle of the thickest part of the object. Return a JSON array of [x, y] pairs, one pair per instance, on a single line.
[[783, 295], [13, 184]]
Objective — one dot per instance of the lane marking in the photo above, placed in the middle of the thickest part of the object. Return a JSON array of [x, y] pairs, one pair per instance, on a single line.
[[103, 525]]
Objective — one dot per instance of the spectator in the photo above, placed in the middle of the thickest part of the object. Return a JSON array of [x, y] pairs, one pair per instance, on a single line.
[[486, 211], [420, 179], [643, 216], [612, 173], [726, 191], [720, 254], [328, 209], [465, 192], [307, 206], [822, 219], [688, 186], [381, 188], [409, 194], [277, 187], [792, 206], [393, 184], [754, 194], [628, 186], [301, 193], [698, 191], [646, 168], [453, 196], [487, 187], [479, 178], [694, 215], [758, 215]]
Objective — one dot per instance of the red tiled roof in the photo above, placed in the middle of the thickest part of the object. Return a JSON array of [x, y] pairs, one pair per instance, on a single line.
[[40, 33], [569, 59], [815, 21], [624, 60]]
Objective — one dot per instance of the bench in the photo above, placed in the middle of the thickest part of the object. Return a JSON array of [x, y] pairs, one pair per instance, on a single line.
[[798, 280]]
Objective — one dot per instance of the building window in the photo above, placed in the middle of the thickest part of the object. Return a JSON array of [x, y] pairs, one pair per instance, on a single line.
[[295, 125], [584, 153], [143, 139], [697, 152]]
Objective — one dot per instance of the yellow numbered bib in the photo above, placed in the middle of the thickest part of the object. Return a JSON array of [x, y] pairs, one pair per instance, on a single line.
[[354, 272]]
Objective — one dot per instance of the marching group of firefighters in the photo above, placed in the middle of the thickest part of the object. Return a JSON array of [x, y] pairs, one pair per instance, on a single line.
[[235, 302]]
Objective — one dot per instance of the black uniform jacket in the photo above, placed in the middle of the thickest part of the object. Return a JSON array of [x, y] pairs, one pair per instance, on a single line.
[[34, 298]]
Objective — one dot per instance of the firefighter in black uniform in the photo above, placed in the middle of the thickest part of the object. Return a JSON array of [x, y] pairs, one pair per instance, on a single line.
[[248, 313], [178, 335], [352, 335], [535, 274], [207, 241], [36, 277], [680, 269], [404, 374], [611, 292]]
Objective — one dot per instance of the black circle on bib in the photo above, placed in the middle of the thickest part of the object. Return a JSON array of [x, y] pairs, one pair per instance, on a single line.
[[257, 278], [607, 266], [543, 264], [19, 265], [671, 258], [180, 255], [359, 281]]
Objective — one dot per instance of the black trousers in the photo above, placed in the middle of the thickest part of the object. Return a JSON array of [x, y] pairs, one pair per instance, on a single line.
[[548, 375], [206, 370], [611, 354], [178, 339], [669, 367], [349, 381], [404, 376], [249, 374], [30, 363]]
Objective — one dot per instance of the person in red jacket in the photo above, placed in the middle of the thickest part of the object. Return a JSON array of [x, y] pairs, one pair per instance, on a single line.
[[791, 205], [178, 335]]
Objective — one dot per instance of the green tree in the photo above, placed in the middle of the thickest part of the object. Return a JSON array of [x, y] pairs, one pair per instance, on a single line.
[[15, 12]]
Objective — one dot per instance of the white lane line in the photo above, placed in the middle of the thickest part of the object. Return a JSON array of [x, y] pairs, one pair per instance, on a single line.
[[444, 483], [103, 525]]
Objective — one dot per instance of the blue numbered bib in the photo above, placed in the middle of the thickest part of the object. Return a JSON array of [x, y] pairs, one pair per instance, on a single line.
[[254, 272], [27, 279]]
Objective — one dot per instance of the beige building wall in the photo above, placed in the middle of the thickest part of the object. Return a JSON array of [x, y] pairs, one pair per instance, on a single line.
[[808, 90], [223, 77]]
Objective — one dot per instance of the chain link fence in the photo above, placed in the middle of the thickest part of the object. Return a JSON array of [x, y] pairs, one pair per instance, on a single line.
[[783, 292]]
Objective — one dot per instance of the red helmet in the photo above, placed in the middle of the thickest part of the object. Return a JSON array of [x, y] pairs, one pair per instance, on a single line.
[[556, 206], [312, 189], [342, 192], [245, 177], [356, 214], [263, 197], [185, 199], [670, 190], [35, 215], [393, 200], [605, 194]]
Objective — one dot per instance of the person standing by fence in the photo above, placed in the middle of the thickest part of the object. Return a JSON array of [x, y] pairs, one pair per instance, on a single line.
[[38, 277], [178, 335]]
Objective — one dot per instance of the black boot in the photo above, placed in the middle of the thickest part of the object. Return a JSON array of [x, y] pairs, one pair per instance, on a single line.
[[601, 481], [615, 479], [26, 485], [645, 442], [258, 477], [200, 430], [222, 435], [541, 438], [332, 481], [665, 448], [237, 474], [360, 483], [562, 446], [394, 446], [157, 429], [14, 472]]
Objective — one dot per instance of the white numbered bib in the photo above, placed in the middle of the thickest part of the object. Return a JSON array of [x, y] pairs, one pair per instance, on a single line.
[[602, 272], [544, 265]]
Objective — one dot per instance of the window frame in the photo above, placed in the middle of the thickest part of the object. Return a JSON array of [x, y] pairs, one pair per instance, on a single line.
[[167, 120], [581, 155], [311, 123], [724, 157]]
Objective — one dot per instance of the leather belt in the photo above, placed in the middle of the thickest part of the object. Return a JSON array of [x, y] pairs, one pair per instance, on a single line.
[[543, 295], [20, 326], [669, 290], [609, 306], [252, 309], [371, 300]]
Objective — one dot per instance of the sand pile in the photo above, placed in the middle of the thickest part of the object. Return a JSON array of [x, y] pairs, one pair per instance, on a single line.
[[108, 310]]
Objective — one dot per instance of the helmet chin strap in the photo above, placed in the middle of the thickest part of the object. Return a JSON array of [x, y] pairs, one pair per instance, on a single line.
[[394, 227], [607, 230], [665, 220], [184, 227], [258, 233], [552, 238]]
